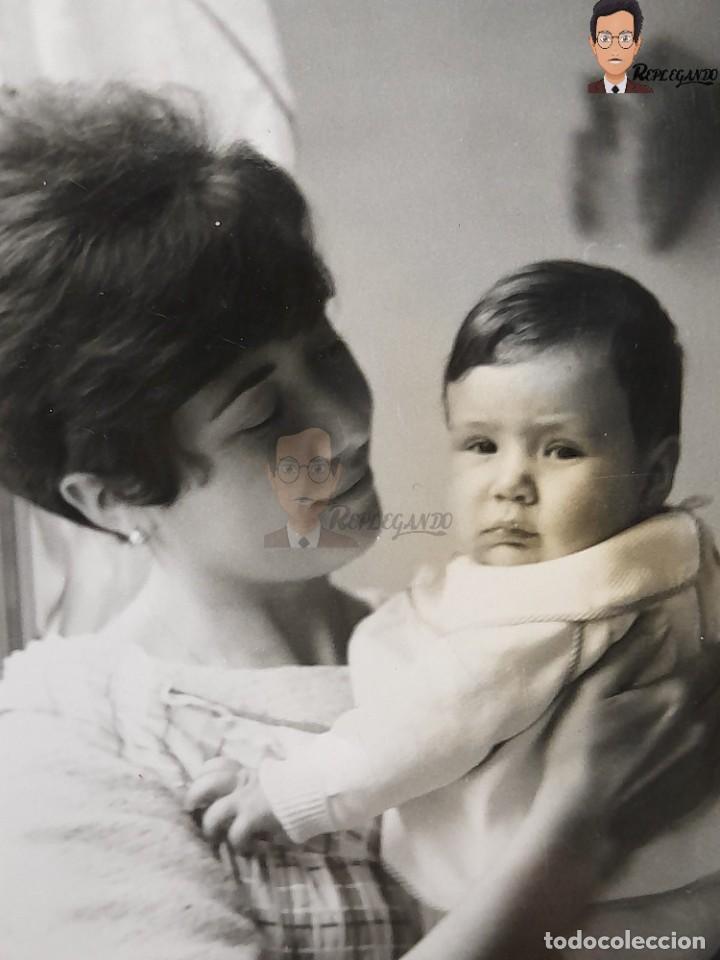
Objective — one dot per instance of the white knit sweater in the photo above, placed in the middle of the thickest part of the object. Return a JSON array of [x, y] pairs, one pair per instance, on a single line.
[[98, 859], [457, 664]]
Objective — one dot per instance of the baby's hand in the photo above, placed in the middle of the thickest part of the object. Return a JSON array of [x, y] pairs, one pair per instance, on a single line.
[[235, 806]]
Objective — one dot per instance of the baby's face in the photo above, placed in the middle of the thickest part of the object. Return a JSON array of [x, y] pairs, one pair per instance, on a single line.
[[544, 461]]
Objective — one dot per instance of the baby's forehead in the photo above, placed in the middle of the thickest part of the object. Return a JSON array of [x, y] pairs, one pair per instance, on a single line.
[[583, 347], [570, 382]]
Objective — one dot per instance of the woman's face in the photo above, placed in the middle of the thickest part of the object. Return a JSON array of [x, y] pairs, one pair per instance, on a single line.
[[233, 524]]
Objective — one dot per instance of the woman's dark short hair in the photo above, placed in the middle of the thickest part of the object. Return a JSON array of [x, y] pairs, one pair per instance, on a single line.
[[137, 262], [558, 302], [606, 8]]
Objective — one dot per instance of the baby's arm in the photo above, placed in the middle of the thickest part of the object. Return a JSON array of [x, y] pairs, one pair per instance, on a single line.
[[430, 709], [385, 751]]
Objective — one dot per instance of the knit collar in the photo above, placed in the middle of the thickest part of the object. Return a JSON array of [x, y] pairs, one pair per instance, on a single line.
[[650, 560]]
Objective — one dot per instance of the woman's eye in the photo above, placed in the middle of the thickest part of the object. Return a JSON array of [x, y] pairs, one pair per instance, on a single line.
[[564, 451], [264, 422], [482, 446], [257, 427]]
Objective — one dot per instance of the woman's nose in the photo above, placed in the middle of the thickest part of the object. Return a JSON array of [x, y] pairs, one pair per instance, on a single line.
[[340, 406]]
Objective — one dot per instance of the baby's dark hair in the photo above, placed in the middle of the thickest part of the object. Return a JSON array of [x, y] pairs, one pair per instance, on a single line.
[[606, 8], [137, 262], [558, 302]]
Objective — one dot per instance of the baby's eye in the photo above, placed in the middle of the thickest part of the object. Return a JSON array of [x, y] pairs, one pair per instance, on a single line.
[[484, 447], [563, 451]]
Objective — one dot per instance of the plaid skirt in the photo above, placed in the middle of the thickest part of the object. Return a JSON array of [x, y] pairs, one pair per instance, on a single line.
[[330, 899]]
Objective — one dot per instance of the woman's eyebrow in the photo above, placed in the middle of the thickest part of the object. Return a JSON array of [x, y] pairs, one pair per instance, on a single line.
[[245, 383]]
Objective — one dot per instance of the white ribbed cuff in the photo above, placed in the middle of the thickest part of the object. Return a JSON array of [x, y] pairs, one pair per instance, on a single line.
[[293, 792]]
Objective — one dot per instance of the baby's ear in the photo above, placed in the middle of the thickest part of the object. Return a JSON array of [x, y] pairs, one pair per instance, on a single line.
[[660, 474]]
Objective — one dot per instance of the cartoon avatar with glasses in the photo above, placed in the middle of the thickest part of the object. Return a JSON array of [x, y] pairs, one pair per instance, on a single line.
[[615, 39], [304, 478]]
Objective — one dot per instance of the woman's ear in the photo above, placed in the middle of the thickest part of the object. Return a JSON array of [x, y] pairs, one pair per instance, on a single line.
[[88, 494], [659, 474]]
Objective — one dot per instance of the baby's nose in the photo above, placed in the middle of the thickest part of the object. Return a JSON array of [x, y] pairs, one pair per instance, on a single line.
[[516, 483]]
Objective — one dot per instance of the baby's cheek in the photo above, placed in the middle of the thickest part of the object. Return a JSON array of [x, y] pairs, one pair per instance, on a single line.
[[574, 517], [465, 492], [585, 521]]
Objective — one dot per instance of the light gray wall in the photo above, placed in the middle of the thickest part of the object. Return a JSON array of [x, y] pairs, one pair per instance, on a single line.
[[436, 143]]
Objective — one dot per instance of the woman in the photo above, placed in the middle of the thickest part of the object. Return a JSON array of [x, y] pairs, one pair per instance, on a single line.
[[162, 339]]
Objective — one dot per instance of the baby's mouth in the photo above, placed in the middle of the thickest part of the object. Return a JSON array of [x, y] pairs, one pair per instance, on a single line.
[[511, 532]]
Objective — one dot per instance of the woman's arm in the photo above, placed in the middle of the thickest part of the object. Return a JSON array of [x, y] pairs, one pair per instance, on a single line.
[[692, 911], [540, 891], [549, 874], [684, 780], [96, 861], [606, 753]]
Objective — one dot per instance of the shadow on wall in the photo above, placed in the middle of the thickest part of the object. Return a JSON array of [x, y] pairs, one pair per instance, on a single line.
[[668, 144]]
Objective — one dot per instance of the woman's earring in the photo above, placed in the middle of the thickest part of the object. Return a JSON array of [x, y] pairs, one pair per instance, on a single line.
[[137, 537]]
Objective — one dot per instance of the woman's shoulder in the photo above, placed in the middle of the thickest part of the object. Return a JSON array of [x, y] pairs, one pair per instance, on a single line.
[[68, 676]]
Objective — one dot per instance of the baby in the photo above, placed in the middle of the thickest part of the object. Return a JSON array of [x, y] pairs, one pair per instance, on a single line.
[[562, 396]]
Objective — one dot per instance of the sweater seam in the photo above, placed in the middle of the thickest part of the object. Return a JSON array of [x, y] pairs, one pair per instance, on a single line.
[[576, 651]]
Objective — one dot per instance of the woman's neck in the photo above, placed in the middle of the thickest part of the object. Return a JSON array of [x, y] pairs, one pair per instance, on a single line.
[[240, 624]]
